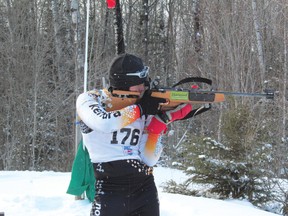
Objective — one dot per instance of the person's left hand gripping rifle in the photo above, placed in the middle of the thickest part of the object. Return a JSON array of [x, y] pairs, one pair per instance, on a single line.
[[160, 121]]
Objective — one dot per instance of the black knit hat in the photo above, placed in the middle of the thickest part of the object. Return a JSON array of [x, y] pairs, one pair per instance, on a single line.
[[127, 70]]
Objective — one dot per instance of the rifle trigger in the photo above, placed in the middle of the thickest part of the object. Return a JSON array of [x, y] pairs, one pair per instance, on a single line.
[[165, 103]]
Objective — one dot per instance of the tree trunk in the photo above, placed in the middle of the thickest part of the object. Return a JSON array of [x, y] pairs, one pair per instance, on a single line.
[[120, 45], [197, 26], [145, 28], [259, 42], [284, 96]]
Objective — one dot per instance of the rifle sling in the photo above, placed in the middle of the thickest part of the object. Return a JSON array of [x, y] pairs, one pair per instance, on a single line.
[[193, 79], [197, 111]]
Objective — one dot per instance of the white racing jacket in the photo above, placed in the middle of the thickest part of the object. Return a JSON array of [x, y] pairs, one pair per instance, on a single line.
[[116, 135]]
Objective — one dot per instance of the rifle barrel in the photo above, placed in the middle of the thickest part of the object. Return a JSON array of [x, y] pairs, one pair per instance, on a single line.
[[269, 94]]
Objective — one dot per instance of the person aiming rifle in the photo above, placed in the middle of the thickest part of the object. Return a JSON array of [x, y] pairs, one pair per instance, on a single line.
[[125, 144]]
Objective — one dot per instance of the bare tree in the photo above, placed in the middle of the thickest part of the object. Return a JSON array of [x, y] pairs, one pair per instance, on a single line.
[[259, 41], [237, 44], [285, 72]]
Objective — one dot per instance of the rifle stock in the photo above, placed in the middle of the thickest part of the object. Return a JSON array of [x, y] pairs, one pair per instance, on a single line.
[[121, 99], [174, 97]]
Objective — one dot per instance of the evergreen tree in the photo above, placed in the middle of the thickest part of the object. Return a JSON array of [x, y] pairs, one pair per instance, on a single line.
[[232, 169]]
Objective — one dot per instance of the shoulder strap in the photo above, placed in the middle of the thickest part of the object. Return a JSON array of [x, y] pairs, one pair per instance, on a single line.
[[194, 79]]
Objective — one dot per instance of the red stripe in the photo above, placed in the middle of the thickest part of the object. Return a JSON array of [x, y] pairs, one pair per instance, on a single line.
[[111, 4]]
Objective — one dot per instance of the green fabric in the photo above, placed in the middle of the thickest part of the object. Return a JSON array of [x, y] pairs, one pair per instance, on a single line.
[[82, 175]]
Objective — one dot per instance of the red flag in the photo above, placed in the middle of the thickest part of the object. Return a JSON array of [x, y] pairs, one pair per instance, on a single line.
[[111, 4]]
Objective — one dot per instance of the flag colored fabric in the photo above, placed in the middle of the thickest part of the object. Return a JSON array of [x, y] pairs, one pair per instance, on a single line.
[[82, 176], [111, 4]]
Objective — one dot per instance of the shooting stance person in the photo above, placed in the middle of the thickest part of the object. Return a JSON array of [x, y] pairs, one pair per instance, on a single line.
[[125, 144]]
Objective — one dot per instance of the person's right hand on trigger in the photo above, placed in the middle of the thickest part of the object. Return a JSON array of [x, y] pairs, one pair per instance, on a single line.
[[149, 105]]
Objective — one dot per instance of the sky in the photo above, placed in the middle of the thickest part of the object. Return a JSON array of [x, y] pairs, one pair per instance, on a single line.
[[32, 193]]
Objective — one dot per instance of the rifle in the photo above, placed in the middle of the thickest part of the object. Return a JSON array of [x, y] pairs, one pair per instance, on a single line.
[[175, 96]]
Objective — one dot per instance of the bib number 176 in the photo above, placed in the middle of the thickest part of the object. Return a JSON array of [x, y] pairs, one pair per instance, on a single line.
[[131, 135]]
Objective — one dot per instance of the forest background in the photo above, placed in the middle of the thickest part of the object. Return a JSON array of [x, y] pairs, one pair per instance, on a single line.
[[241, 45]]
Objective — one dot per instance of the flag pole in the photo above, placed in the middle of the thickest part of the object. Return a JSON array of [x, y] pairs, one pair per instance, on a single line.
[[78, 135], [85, 85], [78, 138], [86, 46]]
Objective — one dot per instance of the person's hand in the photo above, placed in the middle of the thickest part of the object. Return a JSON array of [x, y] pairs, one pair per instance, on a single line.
[[176, 114], [149, 105], [198, 111], [160, 121]]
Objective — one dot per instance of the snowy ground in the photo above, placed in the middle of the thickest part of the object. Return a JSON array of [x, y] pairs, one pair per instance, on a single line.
[[44, 194]]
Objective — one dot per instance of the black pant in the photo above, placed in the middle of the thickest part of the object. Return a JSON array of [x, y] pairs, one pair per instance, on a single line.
[[124, 188]]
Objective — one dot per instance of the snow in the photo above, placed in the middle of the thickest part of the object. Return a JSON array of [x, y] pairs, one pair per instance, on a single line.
[[44, 193]]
